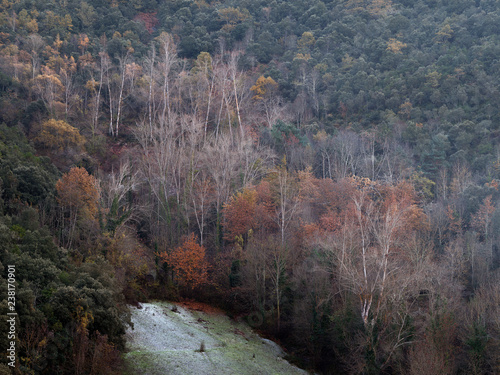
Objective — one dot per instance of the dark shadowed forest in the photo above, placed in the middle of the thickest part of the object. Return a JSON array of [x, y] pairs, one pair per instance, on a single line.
[[328, 171]]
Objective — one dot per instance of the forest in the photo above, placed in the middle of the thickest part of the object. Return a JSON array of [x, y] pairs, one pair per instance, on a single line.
[[328, 171]]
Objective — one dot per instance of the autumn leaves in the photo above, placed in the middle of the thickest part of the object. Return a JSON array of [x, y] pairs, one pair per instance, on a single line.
[[366, 227], [188, 263]]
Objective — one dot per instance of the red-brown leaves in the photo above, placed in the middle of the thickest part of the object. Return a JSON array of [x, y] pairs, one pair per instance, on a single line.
[[188, 263], [149, 19], [251, 209], [239, 213]]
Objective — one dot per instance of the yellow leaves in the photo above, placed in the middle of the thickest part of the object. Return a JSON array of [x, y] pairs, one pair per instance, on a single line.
[[70, 64], [232, 16], [32, 26], [201, 4], [320, 136], [83, 42], [377, 8], [306, 41], [130, 35], [301, 56], [60, 65], [395, 46], [92, 85], [321, 68], [5, 4], [58, 43], [84, 318], [77, 191], [59, 135], [4, 38], [86, 60], [49, 79], [308, 185], [54, 21], [262, 87], [432, 79], [422, 185], [361, 182], [10, 50], [459, 73], [444, 34], [28, 21], [347, 62], [380, 8], [405, 109], [203, 64]]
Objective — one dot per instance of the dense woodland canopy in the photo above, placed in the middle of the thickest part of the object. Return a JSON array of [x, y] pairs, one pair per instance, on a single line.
[[327, 170]]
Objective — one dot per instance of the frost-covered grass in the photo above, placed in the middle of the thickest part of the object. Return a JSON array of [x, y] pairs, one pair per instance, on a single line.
[[167, 342]]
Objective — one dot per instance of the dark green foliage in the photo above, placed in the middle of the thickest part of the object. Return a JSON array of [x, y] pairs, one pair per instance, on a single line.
[[116, 217], [50, 290], [195, 42], [433, 155], [24, 176], [235, 276], [34, 113], [476, 348], [283, 136], [373, 93]]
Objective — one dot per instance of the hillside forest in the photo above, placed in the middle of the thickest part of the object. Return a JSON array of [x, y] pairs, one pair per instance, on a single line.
[[326, 170]]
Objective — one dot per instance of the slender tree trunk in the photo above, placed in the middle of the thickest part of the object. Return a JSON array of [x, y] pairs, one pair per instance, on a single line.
[[151, 83], [120, 97]]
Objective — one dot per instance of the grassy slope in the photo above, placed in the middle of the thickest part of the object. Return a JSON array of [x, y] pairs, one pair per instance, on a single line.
[[167, 342]]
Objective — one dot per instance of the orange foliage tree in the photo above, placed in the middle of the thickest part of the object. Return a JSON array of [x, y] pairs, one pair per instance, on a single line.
[[249, 210], [77, 196], [239, 213], [188, 263]]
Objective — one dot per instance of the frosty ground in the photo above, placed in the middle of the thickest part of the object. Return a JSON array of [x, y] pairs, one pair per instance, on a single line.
[[170, 339]]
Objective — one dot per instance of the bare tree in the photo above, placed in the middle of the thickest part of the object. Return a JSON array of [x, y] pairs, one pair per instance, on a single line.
[[347, 153], [201, 193], [221, 163], [95, 88], [286, 191], [35, 45], [123, 73], [167, 60], [117, 188], [278, 254], [254, 160], [371, 253], [159, 154]]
